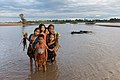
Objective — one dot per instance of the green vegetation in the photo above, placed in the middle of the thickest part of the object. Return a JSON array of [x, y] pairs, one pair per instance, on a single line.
[[86, 21], [55, 21], [112, 20]]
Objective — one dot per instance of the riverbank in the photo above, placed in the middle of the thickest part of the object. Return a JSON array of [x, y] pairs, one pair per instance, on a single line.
[[109, 25], [10, 24], [15, 24], [20, 24]]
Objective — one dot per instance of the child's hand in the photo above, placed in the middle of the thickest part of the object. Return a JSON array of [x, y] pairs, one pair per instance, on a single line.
[[51, 49], [56, 49]]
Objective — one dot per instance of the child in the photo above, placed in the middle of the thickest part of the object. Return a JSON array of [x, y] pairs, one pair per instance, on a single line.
[[46, 31], [24, 40], [55, 42], [51, 49], [42, 31], [51, 31], [42, 55], [31, 39]]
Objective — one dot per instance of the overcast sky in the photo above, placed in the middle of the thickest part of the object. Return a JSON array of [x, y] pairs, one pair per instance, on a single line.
[[59, 9]]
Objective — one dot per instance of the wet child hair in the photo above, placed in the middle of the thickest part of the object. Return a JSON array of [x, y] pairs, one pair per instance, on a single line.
[[50, 26], [41, 35], [52, 35], [36, 29], [40, 26]]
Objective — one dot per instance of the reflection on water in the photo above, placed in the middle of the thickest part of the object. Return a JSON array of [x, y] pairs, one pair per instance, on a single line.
[[50, 74], [93, 56]]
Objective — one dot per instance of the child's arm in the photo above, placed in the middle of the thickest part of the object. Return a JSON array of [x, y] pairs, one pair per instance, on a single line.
[[46, 54], [51, 49], [35, 47], [51, 43]]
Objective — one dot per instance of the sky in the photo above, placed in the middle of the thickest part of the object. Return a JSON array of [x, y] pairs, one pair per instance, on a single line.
[[58, 9]]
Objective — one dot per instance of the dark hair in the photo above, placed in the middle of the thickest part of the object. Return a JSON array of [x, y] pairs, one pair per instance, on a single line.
[[41, 35], [52, 34], [46, 28], [36, 29], [50, 26], [49, 37], [40, 26]]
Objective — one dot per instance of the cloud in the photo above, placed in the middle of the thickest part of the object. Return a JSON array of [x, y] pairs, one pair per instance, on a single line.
[[52, 9]]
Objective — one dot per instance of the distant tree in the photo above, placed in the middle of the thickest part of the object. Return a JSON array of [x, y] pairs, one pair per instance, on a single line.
[[22, 18], [114, 20]]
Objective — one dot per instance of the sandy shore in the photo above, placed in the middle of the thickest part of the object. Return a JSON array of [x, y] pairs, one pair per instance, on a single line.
[[108, 25], [10, 24], [14, 24]]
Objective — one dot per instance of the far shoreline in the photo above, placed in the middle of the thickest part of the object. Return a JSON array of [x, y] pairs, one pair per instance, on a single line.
[[108, 25], [20, 24], [10, 24], [15, 24]]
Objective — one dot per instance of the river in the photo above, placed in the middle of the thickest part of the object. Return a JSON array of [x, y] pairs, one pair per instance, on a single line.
[[93, 56]]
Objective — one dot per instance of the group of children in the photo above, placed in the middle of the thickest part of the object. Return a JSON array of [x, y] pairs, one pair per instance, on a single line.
[[43, 46]]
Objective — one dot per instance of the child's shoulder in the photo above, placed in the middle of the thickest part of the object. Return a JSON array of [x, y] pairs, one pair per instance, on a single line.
[[51, 43], [37, 44], [45, 45], [30, 36]]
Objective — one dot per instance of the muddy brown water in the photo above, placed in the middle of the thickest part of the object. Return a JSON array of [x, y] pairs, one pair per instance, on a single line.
[[94, 56]]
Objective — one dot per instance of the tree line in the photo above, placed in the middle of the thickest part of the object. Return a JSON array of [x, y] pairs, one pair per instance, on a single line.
[[111, 20]]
